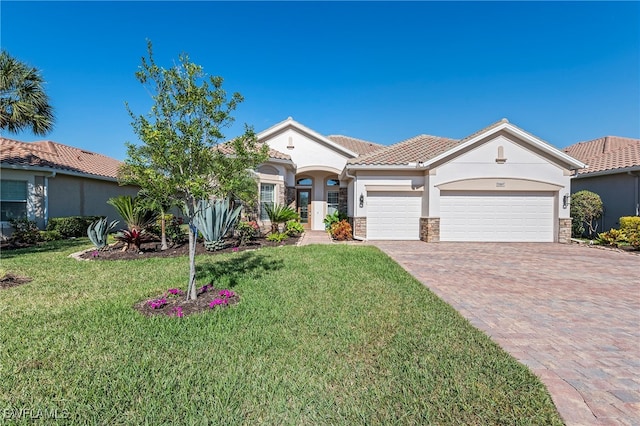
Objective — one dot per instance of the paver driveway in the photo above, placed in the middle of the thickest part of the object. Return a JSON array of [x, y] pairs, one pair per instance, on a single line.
[[570, 313]]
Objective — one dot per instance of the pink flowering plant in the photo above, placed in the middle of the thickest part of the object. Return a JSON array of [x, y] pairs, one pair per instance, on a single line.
[[171, 303], [174, 292], [223, 299], [157, 303]]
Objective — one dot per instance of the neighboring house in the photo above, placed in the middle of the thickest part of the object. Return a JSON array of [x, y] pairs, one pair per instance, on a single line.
[[41, 180], [613, 172], [498, 184]]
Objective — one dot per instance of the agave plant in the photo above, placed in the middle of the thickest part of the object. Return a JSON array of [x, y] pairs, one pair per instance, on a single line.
[[279, 213], [214, 219], [98, 232]]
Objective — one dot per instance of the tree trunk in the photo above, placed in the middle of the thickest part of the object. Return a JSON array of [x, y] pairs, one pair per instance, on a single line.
[[163, 236], [191, 289]]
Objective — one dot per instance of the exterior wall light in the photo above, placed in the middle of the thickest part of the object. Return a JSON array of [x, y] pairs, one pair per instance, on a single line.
[[361, 200], [565, 201]]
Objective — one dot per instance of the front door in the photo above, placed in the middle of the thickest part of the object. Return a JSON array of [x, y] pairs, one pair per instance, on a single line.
[[302, 204]]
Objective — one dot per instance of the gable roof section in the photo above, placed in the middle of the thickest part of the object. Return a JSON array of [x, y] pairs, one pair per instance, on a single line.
[[53, 156], [522, 135], [428, 149], [609, 154], [359, 146], [413, 150], [290, 123]]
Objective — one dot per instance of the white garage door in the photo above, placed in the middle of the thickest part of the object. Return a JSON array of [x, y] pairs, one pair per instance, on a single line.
[[393, 216], [496, 216]]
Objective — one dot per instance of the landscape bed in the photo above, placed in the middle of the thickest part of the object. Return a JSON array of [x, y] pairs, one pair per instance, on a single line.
[[324, 334]]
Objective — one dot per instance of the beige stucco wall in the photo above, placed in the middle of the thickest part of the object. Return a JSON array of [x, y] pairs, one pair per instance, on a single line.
[[58, 195], [618, 193], [77, 196], [520, 164], [308, 153], [374, 180]]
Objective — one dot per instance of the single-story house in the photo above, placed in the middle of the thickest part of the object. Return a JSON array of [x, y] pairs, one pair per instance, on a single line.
[[499, 184], [41, 180], [612, 172]]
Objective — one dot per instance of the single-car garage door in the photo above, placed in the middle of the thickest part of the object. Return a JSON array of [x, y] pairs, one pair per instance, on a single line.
[[393, 215], [497, 216]]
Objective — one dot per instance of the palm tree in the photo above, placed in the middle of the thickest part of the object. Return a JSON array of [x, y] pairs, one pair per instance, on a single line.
[[23, 102]]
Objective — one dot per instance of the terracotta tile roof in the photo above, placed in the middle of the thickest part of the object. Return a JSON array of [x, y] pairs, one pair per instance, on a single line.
[[359, 146], [226, 148], [416, 149], [56, 156], [606, 153]]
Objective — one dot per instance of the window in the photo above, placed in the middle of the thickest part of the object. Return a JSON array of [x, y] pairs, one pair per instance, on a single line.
[[13, 199], [333, 182], [332, 202], [267, 196], [304, 182]]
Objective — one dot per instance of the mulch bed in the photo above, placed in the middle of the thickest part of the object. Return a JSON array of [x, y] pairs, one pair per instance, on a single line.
[[11, 280], [177, 306], [152, 250]]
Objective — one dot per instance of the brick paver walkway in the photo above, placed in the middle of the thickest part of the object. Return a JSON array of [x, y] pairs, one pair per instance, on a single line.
[[570, 313]]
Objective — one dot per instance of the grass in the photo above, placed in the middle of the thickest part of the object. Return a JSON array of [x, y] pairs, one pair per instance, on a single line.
[[322, 335]]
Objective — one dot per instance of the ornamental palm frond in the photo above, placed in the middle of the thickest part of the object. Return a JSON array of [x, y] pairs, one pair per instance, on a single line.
[[23, 102], [279, 213], [134, 212]]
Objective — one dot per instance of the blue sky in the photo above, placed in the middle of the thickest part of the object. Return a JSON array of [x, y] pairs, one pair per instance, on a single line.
[[380, 71]]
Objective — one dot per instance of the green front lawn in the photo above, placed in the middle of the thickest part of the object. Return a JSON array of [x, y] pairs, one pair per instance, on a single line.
[[329, 334]]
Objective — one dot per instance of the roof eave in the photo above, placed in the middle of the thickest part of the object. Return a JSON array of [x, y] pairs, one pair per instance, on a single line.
[[57, 171], [607, 172], [385, 167]]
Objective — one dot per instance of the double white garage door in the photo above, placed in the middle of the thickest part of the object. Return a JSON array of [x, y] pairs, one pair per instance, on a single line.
[[465, 216]]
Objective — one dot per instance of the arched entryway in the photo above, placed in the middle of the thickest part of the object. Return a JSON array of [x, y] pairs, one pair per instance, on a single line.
[[317, 194]]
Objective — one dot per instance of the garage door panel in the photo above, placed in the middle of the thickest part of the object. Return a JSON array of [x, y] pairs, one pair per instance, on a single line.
[[493, 216], [393, 216]]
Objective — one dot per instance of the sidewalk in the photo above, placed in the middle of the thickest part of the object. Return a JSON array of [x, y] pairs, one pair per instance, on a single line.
[[315, 237]]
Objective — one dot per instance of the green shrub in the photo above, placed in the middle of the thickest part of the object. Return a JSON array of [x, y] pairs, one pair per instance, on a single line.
[[341, 231], [294, 228], [333, 218], [175, 231], [586, 208], [50, 235], [628, 223], [277, 237], [25, 231], [612, 237], [71, 226], [247, 231], [633, 238]]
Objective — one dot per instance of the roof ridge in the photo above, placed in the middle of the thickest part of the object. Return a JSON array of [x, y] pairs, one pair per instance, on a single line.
[[354, 138]]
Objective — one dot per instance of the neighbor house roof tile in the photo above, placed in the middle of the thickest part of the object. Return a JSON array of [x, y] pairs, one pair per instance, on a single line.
[[417, 149], [606, 153], [56, 156], [359, 146]]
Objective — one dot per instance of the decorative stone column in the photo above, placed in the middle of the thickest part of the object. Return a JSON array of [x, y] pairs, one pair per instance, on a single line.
[[342, 200], [564, 231], [290, 196], [359, 226], [430, 229]]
